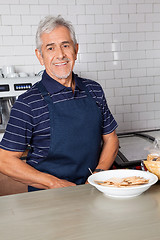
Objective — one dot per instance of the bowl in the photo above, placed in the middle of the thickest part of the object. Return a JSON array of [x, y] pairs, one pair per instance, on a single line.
[[122, 192], [153, 167]]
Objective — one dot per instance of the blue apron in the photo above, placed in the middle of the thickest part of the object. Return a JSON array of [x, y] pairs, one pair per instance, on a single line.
[[76, 136]]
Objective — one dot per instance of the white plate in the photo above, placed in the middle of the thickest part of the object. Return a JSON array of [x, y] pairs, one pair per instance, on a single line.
[[121, 173]]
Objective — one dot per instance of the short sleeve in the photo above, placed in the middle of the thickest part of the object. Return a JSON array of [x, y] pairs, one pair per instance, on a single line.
[[109, 123], [19, 128]]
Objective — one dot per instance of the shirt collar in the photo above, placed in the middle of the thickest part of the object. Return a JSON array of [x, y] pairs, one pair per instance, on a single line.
[[53, 86], [78, 82]]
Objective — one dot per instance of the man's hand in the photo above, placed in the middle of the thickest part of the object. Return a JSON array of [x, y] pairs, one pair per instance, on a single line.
[[59, 183]]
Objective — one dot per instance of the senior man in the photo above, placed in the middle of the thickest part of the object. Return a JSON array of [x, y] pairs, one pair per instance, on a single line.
[[63, 118]]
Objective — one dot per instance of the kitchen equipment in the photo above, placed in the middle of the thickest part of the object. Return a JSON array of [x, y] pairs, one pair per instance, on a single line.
[[8, 71], [5, 107], [12, 75], [10, 89], [23, 74], [1, 74], [134, 148], [122, 192]]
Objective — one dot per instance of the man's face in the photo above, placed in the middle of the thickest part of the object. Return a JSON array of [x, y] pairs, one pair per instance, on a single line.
[[58, 53]]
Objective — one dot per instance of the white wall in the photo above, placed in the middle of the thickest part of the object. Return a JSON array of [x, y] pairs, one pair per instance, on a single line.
[[119, 47]]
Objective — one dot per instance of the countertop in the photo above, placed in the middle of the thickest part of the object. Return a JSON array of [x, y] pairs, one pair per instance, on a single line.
[[79, 213]]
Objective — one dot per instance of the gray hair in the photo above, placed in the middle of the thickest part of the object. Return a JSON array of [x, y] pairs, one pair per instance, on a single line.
[[48, 24]]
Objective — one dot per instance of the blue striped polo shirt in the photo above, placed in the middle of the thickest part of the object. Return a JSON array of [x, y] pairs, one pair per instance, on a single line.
[[29, 123]]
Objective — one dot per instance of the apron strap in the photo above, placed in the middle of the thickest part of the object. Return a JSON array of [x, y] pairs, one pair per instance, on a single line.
[[46, 96], [44, 93]]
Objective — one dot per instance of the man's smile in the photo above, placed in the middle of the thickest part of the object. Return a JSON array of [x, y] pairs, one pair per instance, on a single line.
[[60, 64]]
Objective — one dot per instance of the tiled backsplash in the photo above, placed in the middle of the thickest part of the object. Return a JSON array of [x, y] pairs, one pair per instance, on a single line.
[[119, 47]]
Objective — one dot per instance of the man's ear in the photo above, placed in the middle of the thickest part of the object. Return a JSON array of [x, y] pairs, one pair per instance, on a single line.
[[76, 50], [39, 56]]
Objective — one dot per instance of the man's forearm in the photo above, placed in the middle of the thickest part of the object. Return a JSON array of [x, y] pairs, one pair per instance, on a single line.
[[18, 170], [109, 152], [12, 166]]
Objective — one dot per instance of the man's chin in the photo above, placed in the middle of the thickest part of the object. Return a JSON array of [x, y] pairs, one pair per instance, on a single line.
[[62, 76]]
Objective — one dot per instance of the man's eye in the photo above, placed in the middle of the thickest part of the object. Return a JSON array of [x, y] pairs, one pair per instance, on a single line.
[[50, 48], [66, 45]]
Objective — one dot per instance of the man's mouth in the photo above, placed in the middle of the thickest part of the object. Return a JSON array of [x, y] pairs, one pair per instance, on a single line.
[[60, 64]]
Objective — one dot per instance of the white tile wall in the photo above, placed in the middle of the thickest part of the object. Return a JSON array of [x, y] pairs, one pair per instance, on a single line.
[[119, 47]]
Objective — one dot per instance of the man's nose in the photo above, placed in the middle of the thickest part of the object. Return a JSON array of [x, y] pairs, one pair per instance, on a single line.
[[60, 53]]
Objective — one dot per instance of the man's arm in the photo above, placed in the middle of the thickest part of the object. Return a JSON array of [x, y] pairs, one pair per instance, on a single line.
[[109, 151], [12, 166]]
